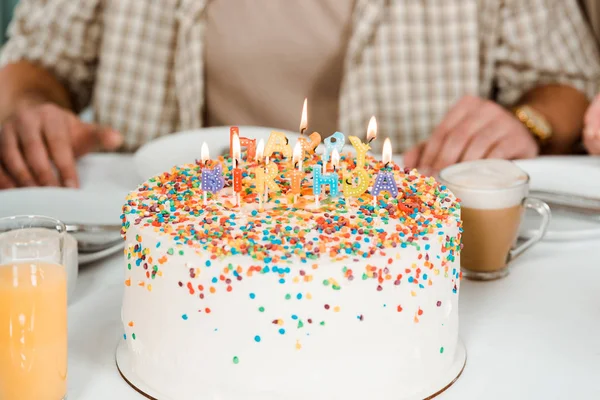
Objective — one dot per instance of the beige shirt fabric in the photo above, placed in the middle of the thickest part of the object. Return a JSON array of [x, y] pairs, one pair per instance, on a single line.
[[592, 7], [262, 61], [141, 63]]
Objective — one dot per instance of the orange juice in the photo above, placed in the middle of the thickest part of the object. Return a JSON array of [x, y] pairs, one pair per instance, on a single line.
[[33, 331]]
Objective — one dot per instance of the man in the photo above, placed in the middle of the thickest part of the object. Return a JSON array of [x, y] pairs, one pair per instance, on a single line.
[[591, 133], [427, 69]]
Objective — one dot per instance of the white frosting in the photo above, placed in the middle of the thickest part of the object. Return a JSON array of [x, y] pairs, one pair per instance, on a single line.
[[486, 184], [387, 352]]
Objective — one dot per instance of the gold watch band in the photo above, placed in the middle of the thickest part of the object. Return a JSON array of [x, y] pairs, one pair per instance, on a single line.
[[535, 122]]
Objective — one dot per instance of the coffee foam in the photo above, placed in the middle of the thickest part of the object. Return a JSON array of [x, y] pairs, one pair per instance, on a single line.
[[486, 184]]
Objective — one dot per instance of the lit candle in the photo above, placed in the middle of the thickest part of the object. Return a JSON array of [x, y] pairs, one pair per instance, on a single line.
[[296, 174], [333, 142], [249, 144], [304, 117], [259, 172], [331, 179], [212, 179], [236, 170], [362, 148], [314, 139], [385, 178]]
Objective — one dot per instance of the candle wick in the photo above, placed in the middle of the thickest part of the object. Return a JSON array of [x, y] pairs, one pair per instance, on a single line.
[[302, 131], [387, 164], [370, 140]]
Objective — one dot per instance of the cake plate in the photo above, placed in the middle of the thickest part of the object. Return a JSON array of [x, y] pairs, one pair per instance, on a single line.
[[436, 387]]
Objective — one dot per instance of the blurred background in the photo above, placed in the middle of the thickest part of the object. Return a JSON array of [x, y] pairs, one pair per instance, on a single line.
[[6, 9]]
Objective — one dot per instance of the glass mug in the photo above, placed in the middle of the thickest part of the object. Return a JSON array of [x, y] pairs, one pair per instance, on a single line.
[[33, 309], [493, 197]]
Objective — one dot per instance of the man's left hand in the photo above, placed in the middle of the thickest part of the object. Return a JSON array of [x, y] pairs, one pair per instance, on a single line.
[[473, 129]]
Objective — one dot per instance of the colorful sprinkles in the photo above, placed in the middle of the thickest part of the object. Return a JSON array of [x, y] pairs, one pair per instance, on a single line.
[[287, 241]]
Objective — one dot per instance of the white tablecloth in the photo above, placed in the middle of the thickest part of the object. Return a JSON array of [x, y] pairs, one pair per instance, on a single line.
[[533, 335]]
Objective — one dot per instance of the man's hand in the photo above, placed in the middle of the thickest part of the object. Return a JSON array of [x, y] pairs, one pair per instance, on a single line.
[[591, 133], [39, 145], [473, 129]]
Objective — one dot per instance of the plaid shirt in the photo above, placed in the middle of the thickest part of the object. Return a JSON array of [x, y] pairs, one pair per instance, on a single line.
[[140, 62]]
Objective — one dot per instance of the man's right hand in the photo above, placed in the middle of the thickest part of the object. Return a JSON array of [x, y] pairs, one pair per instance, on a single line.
[[40, 144]]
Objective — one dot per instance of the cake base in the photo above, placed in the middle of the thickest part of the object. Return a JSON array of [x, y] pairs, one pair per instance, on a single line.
[[437, 386]]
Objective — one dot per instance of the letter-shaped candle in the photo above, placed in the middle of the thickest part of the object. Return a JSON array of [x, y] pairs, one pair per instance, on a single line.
[[331, 179], [309, 145], [249, 144], [362, 182], [278, 143], [236, 170], [362, 148], [271, 171], [212, 179], [385, 178], [333, 142]]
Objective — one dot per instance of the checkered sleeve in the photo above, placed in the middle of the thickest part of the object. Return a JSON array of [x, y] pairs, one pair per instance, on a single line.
[[544, 42], [62, 36]]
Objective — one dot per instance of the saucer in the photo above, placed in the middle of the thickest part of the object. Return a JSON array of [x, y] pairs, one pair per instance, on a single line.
[[570, 175]]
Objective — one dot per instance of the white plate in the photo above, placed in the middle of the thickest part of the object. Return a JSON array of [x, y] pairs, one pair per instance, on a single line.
[[99, 255], [573, 175], [67, 205], [164, 153]]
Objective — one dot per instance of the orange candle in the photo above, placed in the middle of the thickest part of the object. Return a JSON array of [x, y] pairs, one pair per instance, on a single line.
[[236, 170], [247, 143]]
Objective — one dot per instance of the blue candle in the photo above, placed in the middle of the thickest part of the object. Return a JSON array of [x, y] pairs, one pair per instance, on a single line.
[[333, 142], [331, 179]]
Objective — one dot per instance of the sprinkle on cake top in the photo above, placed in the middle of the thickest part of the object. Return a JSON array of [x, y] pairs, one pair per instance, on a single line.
[[172, 204]]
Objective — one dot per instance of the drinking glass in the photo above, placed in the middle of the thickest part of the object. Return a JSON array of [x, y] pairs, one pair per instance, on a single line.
[[33, 309], [491, 216]]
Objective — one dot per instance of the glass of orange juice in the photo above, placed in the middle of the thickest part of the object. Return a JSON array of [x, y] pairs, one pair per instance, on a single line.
[[33, 309]]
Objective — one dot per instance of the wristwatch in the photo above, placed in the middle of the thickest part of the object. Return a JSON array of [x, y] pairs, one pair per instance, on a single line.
[[535, 122]]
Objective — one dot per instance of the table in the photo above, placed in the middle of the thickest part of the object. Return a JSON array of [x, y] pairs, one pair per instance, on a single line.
[[532, 335]]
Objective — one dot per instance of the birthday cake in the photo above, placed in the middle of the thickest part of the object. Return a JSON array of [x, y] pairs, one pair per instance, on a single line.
[[294, 281]]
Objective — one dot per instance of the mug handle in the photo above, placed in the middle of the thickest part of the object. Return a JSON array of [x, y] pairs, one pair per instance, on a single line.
[[544, 211]]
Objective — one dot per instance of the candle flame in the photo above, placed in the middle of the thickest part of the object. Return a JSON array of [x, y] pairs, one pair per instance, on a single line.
[[236, 148], [260, 150], [335, 159], [372, 129], [204, 156], [297, 155], [304, 119], [386, 154]]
